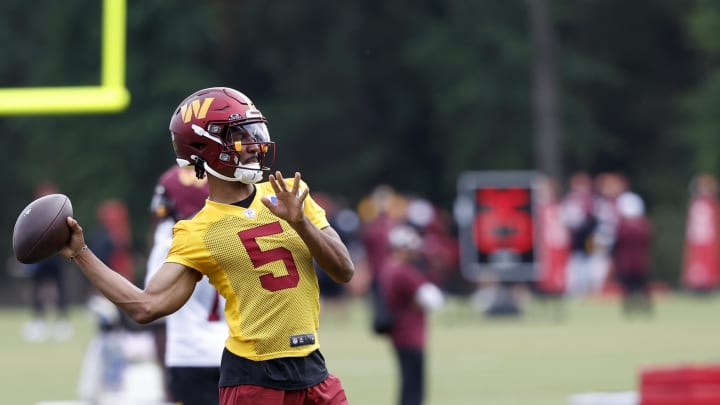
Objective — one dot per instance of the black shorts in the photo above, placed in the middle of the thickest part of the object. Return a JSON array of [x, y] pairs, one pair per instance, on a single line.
[[634, 282], [194, 385]]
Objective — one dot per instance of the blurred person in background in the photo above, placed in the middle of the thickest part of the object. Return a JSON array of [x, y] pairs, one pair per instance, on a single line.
[[256, 242], [382, 209], [48, 291], [190, 341], [701, 262], [554, 238], [409, 295], [631, 254], [610, 186], [440, 248], [553, 245], [111, 239], [577, 213]]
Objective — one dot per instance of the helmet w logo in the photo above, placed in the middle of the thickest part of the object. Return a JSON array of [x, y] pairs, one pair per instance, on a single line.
[[195, 109]]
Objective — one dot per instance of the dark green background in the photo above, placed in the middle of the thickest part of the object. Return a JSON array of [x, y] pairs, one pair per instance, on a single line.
[[407, 93]]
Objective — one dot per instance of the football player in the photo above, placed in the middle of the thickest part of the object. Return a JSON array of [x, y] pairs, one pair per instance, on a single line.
[[255, 242], [410, 295]]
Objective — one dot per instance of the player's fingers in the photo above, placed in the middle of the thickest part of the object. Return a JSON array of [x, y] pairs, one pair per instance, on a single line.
[[304, 194], [75, 227], [296, 183], [280, 185], [77, 240], [281, 181], [73, 224], [273, 182]]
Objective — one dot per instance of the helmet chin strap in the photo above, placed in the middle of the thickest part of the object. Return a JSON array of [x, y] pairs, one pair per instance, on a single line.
[[247, 176]]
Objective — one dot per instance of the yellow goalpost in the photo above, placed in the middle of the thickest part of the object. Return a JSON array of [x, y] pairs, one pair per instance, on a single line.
[[110, 96]]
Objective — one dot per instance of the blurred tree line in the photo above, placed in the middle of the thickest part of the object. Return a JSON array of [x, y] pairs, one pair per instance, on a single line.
[[406, 93]]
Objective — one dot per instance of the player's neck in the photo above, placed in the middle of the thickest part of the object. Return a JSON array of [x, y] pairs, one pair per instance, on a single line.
[[228, 192]]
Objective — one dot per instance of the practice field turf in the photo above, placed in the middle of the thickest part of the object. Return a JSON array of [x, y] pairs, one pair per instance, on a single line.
[[533, 359]]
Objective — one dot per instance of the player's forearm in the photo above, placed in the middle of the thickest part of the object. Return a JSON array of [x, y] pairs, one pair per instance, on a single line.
[[128, 297], [328, 250]]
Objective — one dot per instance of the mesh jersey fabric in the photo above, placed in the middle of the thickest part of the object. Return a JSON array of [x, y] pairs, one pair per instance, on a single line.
[[263, 269]]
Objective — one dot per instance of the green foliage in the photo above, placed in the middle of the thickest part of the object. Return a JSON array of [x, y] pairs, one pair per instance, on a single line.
[[405, 93], [702, 123], [704, 26]]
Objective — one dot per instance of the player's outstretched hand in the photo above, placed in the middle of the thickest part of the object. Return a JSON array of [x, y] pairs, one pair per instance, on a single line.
[[77, 240], [288, 202]]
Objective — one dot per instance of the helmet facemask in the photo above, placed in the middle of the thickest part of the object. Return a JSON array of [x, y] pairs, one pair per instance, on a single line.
[[248, 141]]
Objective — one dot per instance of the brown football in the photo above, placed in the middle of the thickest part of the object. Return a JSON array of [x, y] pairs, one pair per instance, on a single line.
[[41, 230]]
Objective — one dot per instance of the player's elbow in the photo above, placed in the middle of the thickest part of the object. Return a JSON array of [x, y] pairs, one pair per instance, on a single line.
[[143, 314], [339, 269], [139, 317], [142, 318], [344, 273]]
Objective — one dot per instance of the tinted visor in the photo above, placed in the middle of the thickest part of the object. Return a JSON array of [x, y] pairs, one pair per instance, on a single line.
[[250, 133], [246, 135]]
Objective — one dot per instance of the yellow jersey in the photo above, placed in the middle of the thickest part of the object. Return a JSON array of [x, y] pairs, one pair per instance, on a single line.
[[263, 269]]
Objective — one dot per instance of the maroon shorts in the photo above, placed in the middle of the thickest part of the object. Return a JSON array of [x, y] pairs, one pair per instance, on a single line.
[[328, 392]]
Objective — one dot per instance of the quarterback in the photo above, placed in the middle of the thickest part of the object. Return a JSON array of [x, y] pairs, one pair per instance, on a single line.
[[255, 242]]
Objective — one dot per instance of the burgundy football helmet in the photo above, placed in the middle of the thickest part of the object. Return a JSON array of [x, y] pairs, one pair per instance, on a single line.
[[211, 126]]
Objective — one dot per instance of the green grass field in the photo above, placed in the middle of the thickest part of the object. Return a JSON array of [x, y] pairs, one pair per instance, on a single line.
[[532, 359]]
